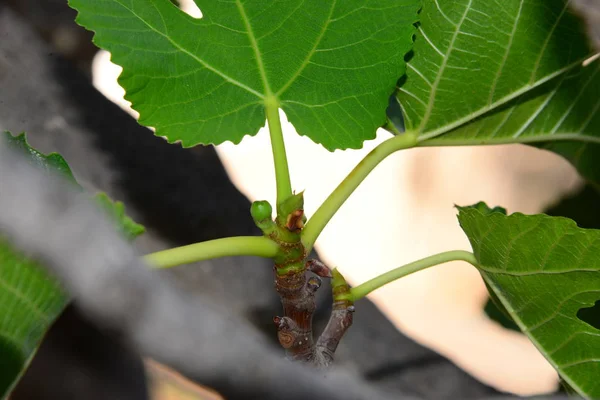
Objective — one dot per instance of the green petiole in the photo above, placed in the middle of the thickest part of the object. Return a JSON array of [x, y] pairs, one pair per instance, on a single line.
[[364, 289], [336, 199], [259, 246], [282, 174]]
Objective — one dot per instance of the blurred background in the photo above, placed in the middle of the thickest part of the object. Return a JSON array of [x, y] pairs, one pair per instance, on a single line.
[[402, 212]]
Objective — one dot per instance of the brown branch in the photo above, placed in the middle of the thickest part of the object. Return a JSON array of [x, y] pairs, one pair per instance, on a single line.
[[339, 322], [297, 295], [318, 268], [294, 329]]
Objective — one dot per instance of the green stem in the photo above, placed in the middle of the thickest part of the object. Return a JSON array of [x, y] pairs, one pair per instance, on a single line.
[[364, 289], [440, 142], [323, 215], [232, 246], [282, 174]]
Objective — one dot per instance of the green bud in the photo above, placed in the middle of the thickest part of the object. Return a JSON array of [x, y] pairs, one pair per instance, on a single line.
[[261, 210], [261, 214]]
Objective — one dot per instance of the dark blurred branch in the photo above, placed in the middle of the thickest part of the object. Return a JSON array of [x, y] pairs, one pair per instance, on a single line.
[[61, 227]]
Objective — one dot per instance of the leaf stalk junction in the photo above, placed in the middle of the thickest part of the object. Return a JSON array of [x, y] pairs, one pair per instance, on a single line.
[[288, 239]]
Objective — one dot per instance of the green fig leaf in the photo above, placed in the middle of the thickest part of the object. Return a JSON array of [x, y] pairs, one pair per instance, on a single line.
[[513, 71], [545, 271], [331, 65]]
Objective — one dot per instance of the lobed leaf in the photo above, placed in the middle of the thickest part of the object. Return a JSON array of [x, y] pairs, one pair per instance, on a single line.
[[493, 72], [331, 65], [545, 271]]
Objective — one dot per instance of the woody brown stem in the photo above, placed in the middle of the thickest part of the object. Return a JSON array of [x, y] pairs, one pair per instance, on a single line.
[[295, 327], [340, 320], [318, 268], [297, 290]]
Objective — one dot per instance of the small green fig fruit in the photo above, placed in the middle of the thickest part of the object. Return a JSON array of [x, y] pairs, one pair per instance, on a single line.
[[261, 210]]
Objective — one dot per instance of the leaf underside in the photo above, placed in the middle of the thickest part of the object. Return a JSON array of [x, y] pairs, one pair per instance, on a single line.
[[30, 299], [582, 208], [330, 64], [493, 72], [544, 270]]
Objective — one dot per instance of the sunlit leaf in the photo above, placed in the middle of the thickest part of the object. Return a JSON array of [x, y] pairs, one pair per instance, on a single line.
[[331, 65]]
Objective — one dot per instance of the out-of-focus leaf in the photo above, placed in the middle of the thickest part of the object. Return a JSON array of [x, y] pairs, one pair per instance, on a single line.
[[52, 162], [31, 299], [116, 211]]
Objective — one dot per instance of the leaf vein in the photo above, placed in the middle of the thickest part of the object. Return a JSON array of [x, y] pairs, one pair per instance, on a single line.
[[558, 309], [438, 79], [506, 53], [446, 17], [310, 53], [255, 48], [195, 57], [570, 339], [433, 46], [25, 300], [547, 41]]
